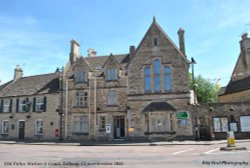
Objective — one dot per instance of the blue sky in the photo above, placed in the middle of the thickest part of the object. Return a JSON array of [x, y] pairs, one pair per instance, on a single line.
[[36, 34]]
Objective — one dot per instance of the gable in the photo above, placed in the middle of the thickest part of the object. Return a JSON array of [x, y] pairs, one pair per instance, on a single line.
[[164, 42]]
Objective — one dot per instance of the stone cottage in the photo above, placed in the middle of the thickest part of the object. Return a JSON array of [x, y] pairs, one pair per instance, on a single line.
[[28, 107]]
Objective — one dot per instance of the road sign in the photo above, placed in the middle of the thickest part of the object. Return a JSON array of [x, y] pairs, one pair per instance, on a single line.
[[182, 115]]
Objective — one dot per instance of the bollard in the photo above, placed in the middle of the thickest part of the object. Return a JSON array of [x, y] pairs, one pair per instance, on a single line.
[[230, 139]]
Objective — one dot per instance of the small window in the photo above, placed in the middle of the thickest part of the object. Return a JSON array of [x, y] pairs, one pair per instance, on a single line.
[[23, 105], [112, 98], [39, 127], [81, 98], [155, 42], [7, 106], [5, 127], [102, 123], [39, 104], [248, 44], [81, 76], [112, 74], [81, 124]]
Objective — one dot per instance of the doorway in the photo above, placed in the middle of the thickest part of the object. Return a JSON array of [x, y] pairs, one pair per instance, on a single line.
[[21, 131], [119, 127]]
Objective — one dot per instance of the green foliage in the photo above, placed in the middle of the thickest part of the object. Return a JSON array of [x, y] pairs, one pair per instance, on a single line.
[[206, 91]]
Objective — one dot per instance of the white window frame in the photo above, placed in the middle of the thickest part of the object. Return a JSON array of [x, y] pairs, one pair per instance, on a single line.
[[6, 106], [39, 104], [5, 128], [80, 124], [81, 98], [39, 127]]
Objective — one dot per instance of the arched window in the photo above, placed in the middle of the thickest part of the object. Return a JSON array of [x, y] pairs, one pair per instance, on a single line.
[[157, 75], [167, 79], [147, 81]]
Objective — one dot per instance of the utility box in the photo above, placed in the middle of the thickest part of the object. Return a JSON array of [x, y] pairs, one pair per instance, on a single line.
[[230, 139]]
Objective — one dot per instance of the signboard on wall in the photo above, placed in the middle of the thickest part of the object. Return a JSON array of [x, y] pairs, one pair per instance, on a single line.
[[108, 128], [220, 124], [245, 123], [233, 126], [217, 127], [224, 125]]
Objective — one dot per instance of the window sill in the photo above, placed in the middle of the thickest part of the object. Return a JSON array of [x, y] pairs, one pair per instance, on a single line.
[[80, 106], [115, 80], [5, 134], [80, 133], [162, 132], [112, 105], [84, 82]]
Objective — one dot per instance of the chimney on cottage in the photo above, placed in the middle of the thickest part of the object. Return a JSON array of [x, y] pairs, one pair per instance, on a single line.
[[245, 51], [91, 52], [131, 51], [74, 51], [182, 41], [18, 72]]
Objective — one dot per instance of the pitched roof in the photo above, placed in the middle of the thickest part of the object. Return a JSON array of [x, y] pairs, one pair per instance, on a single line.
[[238, 85], [159, 106], [40, 84], [101, 60]]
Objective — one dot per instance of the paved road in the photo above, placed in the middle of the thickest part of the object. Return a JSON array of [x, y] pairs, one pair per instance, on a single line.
[[165, 156]]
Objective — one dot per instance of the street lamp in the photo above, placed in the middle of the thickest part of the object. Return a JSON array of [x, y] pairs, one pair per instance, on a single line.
[[61, 71], [197, 129]]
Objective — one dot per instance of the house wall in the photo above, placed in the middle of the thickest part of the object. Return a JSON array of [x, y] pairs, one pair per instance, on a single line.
[[50, 119], [236, 97]]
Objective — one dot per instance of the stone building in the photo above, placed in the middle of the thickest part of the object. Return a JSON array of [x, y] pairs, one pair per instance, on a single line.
[[232, 113], [133, 96], [28, 107], [238, 89]]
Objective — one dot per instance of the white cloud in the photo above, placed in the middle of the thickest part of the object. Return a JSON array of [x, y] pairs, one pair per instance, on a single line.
[[24, 42]]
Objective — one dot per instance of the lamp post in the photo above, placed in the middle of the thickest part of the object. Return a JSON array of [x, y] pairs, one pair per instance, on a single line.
[[61, 103], [197, 129]]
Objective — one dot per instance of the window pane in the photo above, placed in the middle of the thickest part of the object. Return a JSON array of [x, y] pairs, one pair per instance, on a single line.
[[147, 81], [157, 83], [112, 74], [157, 66], [168, 80]]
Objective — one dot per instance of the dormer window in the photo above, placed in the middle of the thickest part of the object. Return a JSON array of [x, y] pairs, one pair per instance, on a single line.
[[111, 74], [81, 76]]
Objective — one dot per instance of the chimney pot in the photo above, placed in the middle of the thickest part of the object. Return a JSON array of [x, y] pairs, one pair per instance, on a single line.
[[91, 52], [18, 72]]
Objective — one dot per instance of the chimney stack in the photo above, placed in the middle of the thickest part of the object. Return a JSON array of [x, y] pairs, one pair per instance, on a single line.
[[91, 52], [74, 51], [18, 72], [245, 51], [182, 41], [131, 51]]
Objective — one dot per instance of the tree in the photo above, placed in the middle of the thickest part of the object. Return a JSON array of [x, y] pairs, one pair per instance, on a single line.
[[206, 91]]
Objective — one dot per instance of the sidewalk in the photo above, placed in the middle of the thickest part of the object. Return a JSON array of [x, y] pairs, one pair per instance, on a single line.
[[123, 143]]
